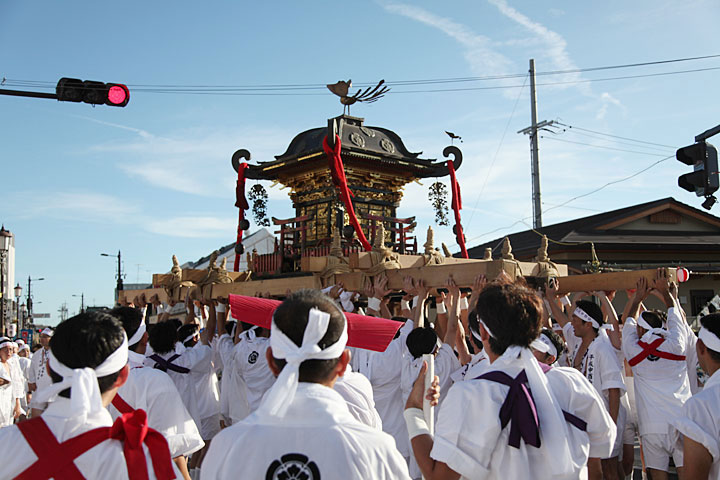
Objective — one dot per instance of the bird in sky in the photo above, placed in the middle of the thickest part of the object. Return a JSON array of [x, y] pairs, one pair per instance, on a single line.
[[369, 95], [453, 137]]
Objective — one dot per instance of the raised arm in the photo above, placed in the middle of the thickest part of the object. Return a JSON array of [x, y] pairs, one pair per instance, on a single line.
[[611, 316], [551, 294]]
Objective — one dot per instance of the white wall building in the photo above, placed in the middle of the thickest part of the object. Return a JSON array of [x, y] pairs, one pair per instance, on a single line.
[[261, 240], [7, 275]]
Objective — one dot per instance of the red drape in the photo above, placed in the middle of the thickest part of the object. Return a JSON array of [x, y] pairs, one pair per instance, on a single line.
[[337, 172], [242, 204], [370, 333], [457, 206]]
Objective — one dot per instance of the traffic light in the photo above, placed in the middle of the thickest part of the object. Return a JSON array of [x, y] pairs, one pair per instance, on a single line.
[[704, 180], [95, 93]]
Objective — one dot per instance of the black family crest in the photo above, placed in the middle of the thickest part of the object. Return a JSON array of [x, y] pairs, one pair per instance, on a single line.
[[293, 466]]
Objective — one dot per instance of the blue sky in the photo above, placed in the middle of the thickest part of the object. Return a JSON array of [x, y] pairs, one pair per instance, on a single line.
[[154, 179]]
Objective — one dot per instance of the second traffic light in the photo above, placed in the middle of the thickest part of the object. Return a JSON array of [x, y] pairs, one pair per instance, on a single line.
[[95, 93], [704, 180]]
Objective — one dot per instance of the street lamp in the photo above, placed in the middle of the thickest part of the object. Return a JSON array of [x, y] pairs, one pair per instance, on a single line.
[[5, 243], [82, 302], [119, 269], [18, 294], [29, 294]]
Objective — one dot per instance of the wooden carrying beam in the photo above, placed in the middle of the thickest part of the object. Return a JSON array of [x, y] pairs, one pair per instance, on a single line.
[[130, 295], [609, 281], [435, 276], [275, 286]]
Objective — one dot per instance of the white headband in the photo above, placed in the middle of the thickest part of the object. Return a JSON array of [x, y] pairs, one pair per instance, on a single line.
[[138, 335], [25, 346], [84, 390], [585, 317], [543, 344], [486, 327], [643, 323], [710, 340], [278, 398], [189, 337], [5, 342], [475, 334], [20, 341]]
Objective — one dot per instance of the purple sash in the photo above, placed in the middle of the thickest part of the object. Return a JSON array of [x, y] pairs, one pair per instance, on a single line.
[[519, 407], [165, 365]]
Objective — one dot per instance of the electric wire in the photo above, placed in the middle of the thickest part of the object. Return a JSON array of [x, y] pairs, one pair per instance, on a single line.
[[597, 137], [522, 220], [574, 127], [276, 89], [497, 151], [601, 146]]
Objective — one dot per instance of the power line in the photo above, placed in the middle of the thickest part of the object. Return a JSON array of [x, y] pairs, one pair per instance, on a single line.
[[492, 164], [614, 136], [598, 137], [601, 146], [522, 220], [256, 89]]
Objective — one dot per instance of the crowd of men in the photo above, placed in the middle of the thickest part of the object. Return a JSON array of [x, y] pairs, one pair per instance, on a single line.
[[528, 384]]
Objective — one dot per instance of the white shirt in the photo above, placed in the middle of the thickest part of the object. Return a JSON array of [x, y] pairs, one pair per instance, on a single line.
[[661, 385], [318, 435], [106, 460], [251, 366], [383, 371], [223, 348], [153, 391], [599, 365], [445, 364], [9, 393], [355, 388], [472, 369], [700, 421], [470, 440], [38, 373], [199, 360]]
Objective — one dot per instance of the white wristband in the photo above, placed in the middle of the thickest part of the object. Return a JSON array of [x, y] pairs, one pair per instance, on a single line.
[[374, 304], [416, 300], [463, 303], [565, 300], [415, 421], [220, 308], [405, 305], [440, 308]]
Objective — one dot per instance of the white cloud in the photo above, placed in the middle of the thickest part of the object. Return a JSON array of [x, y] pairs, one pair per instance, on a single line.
[[478, 49], [194, 227], [608, 100]]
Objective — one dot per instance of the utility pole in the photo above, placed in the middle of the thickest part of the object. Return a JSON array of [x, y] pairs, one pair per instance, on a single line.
[[63, 311], [532, 130]]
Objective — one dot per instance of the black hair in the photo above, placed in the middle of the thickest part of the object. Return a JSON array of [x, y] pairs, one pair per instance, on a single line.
[[291, 317], [177, 322], [187, 330], [594, 310], [131, 318], [653, 318], [556, 340], [163, 337], [85, 341], [421, 340], [474, 326], [711, 322], [512, 313], [229, 327], [246, 326]]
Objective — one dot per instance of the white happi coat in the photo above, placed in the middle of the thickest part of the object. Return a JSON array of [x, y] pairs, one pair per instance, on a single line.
[[661, 385], [38, 373], [383, 371], [24, 365], [106, 460], [355, 388], [9, 393], [250, 365], [229, 394], [199, 360], [317, 437], [699, 420], [472, 369], [600, 365], [470, 440], [153, 391]]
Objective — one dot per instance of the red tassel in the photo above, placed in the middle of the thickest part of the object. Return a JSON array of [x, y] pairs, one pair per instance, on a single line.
[[457, 206]]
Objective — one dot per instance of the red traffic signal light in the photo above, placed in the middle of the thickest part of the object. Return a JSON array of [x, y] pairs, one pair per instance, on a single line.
[[94, 93]]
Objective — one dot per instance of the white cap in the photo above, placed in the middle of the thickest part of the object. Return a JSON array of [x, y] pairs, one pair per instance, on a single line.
[[47, 331]]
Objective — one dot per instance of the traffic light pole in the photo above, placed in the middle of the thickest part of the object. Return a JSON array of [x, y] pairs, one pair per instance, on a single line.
[[707, 134], [21, 93]]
